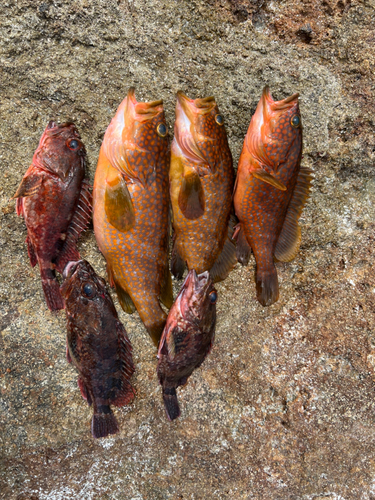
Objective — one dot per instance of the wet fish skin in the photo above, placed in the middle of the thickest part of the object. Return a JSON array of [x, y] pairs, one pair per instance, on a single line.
[[271, 191], [201, 187], [97, 345], [131, 210], [55, 201], [187, 337]]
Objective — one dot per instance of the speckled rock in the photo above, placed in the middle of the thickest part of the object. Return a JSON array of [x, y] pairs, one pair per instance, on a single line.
[[283, 408]]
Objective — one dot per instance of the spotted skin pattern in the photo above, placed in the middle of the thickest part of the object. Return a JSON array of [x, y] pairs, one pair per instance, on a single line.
[[274, 145], [200, 241], [137, 259]]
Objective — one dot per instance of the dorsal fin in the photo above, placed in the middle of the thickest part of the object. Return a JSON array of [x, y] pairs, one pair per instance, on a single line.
[[126, 393], [290, 237]]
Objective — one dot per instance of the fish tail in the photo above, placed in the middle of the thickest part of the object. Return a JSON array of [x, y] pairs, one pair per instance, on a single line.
[[103, 423], [51, 290], [170, 403], [267, 285]]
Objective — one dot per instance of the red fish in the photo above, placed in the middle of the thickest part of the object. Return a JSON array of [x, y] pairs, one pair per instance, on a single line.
[[271, 191], [55, 202], [98, 346], [187, 337], [131, 210], [201, 186]]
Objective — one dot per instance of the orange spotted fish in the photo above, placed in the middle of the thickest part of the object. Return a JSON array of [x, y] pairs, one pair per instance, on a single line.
[[201, 186], [131, 209], [271, 191], [55, 201]]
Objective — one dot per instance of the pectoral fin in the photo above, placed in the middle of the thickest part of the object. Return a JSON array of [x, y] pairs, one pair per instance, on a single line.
[[264, 176], [118, 203], [191, 197], [29, 186]]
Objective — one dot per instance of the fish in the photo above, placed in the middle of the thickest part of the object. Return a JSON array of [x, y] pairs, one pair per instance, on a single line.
[[201, 187], [187, 338], [54, 199], [131, 210], [97, 345], [271, 190]]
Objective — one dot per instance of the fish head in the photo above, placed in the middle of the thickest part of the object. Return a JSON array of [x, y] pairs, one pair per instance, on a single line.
[[199, 128], [85, 294], [60, 150], [275, 130], [198, 298]]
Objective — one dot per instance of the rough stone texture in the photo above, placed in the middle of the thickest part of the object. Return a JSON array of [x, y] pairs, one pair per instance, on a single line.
[[283, 408]]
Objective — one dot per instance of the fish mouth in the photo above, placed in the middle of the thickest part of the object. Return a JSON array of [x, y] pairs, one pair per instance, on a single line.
[[143, 110], [197, 282], [199, 106], [70, 268], [284, 104]]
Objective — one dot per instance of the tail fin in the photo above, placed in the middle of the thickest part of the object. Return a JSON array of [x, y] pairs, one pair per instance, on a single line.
[[51, 290], [170, 403], [267, 286], [104, 423]]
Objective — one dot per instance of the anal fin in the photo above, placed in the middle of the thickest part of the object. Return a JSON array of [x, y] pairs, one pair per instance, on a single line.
[[124, 298], [166, 293], [289, 240], [178, 265], [243, 249], [227, 258]]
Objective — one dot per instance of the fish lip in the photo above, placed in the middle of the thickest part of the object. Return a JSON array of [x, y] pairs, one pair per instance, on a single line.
[[200, 105], [144, 110], [286, 103], [70, 268], [198, 281]]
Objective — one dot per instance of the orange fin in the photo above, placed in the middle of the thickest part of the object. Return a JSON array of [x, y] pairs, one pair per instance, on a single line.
[[124, 298], [227, 258], [29, 186], [264, 176], [118, 203], [166, 295], [290, 237], [191, 197], [243, 249], [267, 286]]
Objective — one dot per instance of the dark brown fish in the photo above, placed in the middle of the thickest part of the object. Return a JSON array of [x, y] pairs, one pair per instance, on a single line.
[[98, 345], [271, 191], [131, 210], [187, 337], [201, 186], [55, 202]]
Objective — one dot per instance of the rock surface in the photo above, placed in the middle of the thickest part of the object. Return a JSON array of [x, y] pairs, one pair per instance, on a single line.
[[284, 407]]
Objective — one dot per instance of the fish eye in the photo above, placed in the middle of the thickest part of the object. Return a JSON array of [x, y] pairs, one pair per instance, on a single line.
[[213, 297], [219, 120], [295, 121], [73, 144], [162, 130], [89, 290]]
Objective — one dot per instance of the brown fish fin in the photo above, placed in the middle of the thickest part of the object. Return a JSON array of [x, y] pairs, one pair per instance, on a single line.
[[31, 252], [267, 285], [68, 357], [19, 207], [166, 294], [290, 237], [264, 176], [191, 196], [127, 367], [110, 277], [51, 290], [124, 298], [227, 258], [104, 423], [118, 203], [29, 185], [84, 392], [79, 223], [171, 405], [243, 249], [178, 265]]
